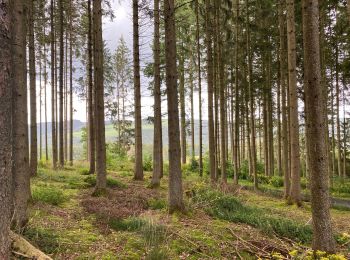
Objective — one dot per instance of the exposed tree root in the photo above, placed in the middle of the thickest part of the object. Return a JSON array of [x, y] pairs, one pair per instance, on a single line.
[[21, 247]]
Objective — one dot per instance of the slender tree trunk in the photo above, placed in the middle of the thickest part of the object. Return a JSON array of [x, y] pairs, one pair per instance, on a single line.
[[45, 100], [270, 121], [344, 135], [71, 88], [175, 175], [211, 131], [40, 104], [21, 171], [285, 164], [138, 175], [182, 107], [53, 84], [337, 97], [295, 191], [7, 22], [32, 91], [157, 138], [61, 123], [65, 115], [314, 104], [236, 147], [193, 152], [251, 102], [279, 135], [90, 94], [199, 92], [348, 7], [99, 99]]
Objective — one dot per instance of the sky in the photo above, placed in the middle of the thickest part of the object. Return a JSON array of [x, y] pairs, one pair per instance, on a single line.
[[121, 26]]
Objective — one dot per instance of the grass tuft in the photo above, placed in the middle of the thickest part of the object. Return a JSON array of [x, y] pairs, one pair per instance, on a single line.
[[50, 195], [112, 183]]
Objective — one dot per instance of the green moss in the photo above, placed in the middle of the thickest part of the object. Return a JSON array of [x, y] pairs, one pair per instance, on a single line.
[[129, 224], [45, 239], [112, 183]]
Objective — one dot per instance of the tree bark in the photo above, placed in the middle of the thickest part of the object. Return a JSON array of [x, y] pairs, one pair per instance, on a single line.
[[60, 122], [157, 138], [7, 14], [175, 175], [91, 116], [71, 87], [32, 91], [315, 130], [53, 84], [182, 107], [236, 146], [211, 131], [285, 165], [295, 191], [138, 175], [199, 92], [99, 100], [21, 170]]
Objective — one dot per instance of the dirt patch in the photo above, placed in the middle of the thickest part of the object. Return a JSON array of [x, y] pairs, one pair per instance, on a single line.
[[120, 203]]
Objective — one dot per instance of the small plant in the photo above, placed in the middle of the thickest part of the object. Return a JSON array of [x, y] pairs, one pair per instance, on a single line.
[[129, 224], [157, 253], [157, 204], [84, 171], [44, 239], [153, 233], [50, 195], [112, 183], [276, 181], [148, 163]]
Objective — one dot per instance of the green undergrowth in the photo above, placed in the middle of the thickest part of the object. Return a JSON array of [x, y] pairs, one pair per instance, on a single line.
[[111, 183], [49, 194], [229, 208]]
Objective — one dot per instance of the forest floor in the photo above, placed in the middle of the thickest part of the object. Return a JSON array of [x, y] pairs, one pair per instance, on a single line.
[[132, 222]]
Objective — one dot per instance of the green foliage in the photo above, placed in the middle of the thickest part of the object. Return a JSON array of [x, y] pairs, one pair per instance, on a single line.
[[229, 208], [112, 183], [46, 240], [157, 204], [304, 183], [129, 224], [157, 253], [277, 181], [50, 195], [341, 188], [194, 165], [84, 171], [153, 233], [148, 163]]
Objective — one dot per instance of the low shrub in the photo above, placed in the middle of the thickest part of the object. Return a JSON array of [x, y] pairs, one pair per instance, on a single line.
[[84, 171], [229, 208], [129, 224], [148, 163], [112, 183], [46, 240], [50, 195], [277, 181], [157, 204]]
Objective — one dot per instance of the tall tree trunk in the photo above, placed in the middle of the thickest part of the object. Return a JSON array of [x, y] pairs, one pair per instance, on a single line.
[[337, 97], [236, 146], [90, 96], [99, 99], [32, 91], [314, 105], [270, 120], [348, 7], [199, 91], [295, 191], [53, 84], [211, 131], [251, 102], [40, 104], [157, 138], [138, 175], [60, 123], [175, 175], [21, 171], [182, 107], [193, 151], [7, 24], [71, 87], [285, 164], [45, 99]]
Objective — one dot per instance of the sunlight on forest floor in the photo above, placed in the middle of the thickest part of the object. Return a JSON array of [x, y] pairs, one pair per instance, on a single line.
[[131, 221]]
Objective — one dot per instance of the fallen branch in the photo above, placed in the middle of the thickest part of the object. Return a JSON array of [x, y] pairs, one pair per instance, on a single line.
[[22, 247]]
